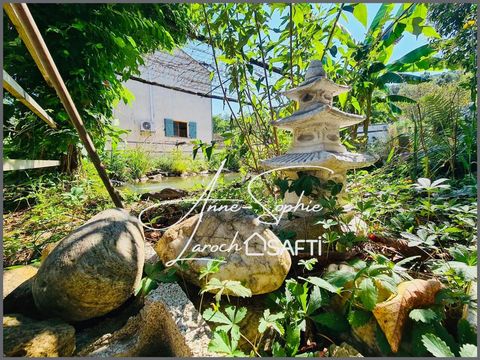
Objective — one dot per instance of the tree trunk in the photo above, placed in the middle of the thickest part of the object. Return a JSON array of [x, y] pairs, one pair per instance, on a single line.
[[70, 162]]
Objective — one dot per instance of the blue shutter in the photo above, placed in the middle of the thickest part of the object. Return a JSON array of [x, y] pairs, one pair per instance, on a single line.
[[169, 127], [192, 130]]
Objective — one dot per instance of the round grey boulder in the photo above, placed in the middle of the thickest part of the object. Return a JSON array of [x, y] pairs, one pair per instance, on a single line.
[[93, 270]]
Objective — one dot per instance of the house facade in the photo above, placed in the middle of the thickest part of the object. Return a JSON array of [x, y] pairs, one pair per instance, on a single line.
[[164, 114]]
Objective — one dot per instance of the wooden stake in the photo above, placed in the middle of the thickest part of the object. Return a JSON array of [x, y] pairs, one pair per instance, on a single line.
[[22, 19], [16, 90]]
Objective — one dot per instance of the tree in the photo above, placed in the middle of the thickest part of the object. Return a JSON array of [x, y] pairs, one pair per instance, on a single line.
[[458, 26], [96, 48]]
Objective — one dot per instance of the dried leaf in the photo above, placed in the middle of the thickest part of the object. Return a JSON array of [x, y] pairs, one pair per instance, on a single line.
[[391, 315]]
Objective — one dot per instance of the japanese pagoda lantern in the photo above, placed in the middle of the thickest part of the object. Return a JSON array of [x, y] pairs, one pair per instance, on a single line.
[[316, 132]]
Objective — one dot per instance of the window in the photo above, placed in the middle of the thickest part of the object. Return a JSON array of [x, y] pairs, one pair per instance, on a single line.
[[180, 129]]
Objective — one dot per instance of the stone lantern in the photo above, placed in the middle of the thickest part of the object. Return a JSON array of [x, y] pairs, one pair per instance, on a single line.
[[316, 126]]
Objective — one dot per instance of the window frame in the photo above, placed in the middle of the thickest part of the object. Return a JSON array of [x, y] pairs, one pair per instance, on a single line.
[[176, 129]]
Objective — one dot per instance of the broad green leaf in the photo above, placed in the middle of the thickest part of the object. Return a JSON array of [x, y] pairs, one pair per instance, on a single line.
[[342, 99], [368, 293], [332, 320], [436, 346], [412, 57], [323, 284], [381, 17], [468, 350], [340, 277], [360, 13], [358, 318], [466, 333], [314, 301], [355, 104], [401, 98], [119, 41], [429, 31], [423, 315]]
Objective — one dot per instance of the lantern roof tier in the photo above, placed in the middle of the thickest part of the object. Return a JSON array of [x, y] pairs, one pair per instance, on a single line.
[[328, 159], [317, 114], [316, 84]]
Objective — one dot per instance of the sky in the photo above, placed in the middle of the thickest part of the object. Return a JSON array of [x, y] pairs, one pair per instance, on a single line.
[[357, 30]]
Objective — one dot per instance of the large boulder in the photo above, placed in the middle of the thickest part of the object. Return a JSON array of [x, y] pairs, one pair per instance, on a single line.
[[254, 255], [93, 270], [26, 337]]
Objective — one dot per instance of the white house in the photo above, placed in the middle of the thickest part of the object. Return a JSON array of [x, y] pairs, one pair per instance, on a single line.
[[160, 119]]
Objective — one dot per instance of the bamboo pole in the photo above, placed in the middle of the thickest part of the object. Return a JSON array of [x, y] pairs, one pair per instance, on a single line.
[[23, 21], [18, 92]]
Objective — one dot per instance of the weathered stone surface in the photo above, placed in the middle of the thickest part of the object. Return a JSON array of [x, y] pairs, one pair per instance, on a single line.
[[168, 325], [93, 270], [155, 177], [254, 256], [344, 350], [26, 337], [151, 256], [48, 249], [12, 279], [165, 194], [17, 290]]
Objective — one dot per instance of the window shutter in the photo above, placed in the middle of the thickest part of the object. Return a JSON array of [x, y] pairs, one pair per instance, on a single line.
[[169, 127], [192, 130]]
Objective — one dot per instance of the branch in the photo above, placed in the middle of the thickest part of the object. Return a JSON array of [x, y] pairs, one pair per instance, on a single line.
[[251, 61], [332, 31], [175, 88]]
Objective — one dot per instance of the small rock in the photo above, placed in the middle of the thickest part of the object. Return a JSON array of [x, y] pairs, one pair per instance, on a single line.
[[26, 337], [168, 325], [143, 179], [165, 194], [93, 270], [156, 177], [344, 350], [151, 256], [244, 239]]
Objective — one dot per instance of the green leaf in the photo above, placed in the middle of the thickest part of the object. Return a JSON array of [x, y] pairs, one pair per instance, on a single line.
[[401, 98], [436, 346], [314, 301], [215, 316], [292, 339], [380, 17], [358, 318], [360, 13], [468, 350], [423, 315], [368, 293], [355, 104], [412, 57], [221, 343], [340, 277], [119, 41], [226, 286], [323, 284], [271, 321], [466, 333], [332, 320]]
